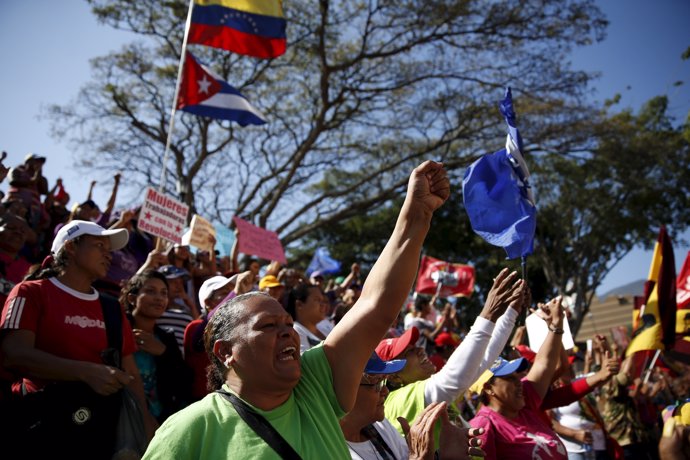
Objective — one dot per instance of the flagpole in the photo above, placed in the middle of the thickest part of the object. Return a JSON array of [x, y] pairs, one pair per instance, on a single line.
[[651, 366], [171, 127]]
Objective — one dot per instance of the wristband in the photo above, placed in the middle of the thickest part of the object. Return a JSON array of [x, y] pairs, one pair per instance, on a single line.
[[556, 330]]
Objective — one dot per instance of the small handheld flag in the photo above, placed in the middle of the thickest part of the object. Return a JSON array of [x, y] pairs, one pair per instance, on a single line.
[[205, 95], [323, 262], [497, 195]]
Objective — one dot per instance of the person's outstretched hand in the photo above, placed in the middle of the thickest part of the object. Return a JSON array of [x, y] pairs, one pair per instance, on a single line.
[[459, 443], [429, 186], [507, 289], [609, 367], [420, 436], [552, 312]]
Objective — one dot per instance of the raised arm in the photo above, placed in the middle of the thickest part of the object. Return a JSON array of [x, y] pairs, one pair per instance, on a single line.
[[520, 299], [549, 354], [350, 344], [113, 195], [462, 367]]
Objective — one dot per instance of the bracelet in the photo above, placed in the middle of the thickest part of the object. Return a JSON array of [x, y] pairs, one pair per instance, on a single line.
[[556, 330]]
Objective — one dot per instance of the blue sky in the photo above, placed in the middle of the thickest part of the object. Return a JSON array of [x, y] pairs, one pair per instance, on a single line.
[[48, 44]]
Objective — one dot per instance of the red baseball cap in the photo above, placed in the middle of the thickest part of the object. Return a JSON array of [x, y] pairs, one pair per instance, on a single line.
[[446, 338], [526, 352], [389, 349]]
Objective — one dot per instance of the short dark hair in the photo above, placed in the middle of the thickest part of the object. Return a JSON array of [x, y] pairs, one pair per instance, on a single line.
[[420, 302], [225, 324], [135, 284], [299, 292]]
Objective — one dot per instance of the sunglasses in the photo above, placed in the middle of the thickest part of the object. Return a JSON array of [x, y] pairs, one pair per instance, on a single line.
[[377, 386]]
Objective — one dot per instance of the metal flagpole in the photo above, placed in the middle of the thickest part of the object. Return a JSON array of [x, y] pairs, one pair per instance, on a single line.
[[522, 319], [177, 93], [651, 366]]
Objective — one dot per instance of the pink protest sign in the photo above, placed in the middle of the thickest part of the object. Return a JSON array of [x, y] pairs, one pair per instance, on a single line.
[[259, 242]]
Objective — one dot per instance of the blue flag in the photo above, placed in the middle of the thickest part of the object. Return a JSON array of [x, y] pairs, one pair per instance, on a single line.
[[497, 195], [323, 262]]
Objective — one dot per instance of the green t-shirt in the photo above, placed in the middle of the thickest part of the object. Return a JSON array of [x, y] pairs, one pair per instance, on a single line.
[[408, 402], [211, 429]]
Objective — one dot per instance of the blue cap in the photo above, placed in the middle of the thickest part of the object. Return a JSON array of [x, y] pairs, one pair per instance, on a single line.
[[171, 272], [502, 367], [376, 365]]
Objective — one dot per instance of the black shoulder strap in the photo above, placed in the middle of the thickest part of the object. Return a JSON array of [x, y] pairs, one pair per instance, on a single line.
[[112, 316], [378, 442], [261, 427]]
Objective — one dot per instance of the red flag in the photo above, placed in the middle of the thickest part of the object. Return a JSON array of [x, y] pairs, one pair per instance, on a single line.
[[197, 85], [456, 279], [683, 285]]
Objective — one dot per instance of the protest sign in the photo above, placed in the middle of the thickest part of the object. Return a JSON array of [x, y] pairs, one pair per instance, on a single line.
[[163, 216], [259, 242], [202, 234], [225, 238], [537, 330]]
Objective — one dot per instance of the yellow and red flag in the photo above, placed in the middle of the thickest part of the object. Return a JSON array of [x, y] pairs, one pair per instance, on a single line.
[[656, 320]]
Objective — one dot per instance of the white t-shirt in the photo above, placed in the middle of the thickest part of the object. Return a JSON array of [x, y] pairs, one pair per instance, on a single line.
[[571, 416], [367, 451], [325, 326], [307, 339], [423, 325]]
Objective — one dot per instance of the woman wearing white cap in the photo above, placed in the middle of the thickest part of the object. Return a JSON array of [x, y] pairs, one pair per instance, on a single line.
[[53, 329]]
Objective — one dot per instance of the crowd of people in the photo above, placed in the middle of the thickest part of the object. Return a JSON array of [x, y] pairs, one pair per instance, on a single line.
[[226, 358]]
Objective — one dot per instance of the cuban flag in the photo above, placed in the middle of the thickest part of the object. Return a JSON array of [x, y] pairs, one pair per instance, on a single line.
[[497, 194], [249, 27], [205, 95]]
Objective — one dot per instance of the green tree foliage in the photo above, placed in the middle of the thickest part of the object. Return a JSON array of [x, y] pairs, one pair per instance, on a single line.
[[366, 90], [596, 206]]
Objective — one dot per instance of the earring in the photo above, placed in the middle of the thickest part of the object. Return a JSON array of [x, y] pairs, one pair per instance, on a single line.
[[228, 361]]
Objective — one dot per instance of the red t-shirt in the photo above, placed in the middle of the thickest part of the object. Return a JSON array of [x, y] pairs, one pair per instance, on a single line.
[[196, 359], [15, 270], [525, 437], [67, 323]]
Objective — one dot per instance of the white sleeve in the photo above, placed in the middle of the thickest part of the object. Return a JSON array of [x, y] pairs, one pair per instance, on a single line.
[[459, 372], [499, 339]]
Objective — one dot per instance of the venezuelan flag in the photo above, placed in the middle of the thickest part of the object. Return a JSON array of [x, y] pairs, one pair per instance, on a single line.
[[250, 27]]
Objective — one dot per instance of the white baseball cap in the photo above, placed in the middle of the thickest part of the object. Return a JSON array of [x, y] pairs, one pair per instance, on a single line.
[[212, 284], [75, 228]]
